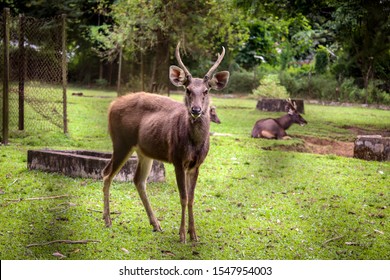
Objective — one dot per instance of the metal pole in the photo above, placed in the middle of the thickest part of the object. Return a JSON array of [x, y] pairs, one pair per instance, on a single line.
[[6, 16], [64, 75]]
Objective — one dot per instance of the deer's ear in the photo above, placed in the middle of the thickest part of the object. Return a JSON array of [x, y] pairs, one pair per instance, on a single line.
[[177, 76], [219, 80]]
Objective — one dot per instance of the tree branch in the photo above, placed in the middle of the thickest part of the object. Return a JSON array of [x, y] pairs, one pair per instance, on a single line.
[[38, 198], [332, 239]]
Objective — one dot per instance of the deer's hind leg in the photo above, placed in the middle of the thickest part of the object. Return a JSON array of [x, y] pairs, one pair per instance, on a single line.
[[141, 175], [267, 134], [118, 159]]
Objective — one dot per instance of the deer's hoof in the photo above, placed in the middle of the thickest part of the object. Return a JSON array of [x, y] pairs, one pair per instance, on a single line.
[[107, 221], [194, 237], [183, 238], [156, 226], [157, 229]]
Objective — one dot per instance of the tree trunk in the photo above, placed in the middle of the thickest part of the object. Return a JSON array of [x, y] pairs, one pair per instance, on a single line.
[[159, 73]]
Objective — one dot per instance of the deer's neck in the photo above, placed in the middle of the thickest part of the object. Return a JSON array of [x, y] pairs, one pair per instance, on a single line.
[[285, 121], [199, 129]]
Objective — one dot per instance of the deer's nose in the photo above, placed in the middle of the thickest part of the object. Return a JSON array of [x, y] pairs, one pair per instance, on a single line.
[[195, 110]]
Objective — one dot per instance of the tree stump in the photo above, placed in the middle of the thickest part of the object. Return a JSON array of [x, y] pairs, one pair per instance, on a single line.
[[372, 147], [87, 164], [278, 105]]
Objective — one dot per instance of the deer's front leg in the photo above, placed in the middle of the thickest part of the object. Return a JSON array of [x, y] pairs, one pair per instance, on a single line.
[[181, 184], [192, 177]]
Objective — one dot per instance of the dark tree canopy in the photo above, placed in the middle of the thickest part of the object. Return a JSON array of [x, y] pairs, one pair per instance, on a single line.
[[279, 33]]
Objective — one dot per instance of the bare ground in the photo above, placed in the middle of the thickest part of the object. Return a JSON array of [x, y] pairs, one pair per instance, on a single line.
[[326, 146]]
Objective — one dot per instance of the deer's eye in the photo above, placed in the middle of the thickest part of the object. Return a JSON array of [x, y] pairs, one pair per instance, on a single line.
[[205, 92]]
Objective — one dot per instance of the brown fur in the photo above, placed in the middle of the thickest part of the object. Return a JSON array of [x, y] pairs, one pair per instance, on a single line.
[[276, 128], [156, 127]]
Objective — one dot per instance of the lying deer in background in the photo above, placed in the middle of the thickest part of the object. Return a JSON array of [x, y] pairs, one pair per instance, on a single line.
[[156, 127], [213, 115], [276, 128]]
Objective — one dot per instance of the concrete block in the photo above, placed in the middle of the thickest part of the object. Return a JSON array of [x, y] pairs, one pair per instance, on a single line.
[[87, 164], [278, 105], [372, 147]]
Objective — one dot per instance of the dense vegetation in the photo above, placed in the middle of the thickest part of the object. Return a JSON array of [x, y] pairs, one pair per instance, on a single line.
[[328, 49]]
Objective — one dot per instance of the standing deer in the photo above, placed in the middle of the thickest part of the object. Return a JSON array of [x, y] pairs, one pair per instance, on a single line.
[[276, 128], [156, 127]]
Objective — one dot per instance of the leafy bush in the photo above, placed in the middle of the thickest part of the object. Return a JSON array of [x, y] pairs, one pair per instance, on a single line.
[[290, 82], [375, 95], [270, 87], [309, 86], [349, 91], [324, 87], [243, 82], [321, 61], [101, 83]]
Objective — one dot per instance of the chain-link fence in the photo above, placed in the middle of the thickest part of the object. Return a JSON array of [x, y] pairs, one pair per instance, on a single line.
[[34, 97]]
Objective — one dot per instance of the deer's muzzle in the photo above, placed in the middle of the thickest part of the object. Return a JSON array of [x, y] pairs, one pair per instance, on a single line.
[[196, 112]]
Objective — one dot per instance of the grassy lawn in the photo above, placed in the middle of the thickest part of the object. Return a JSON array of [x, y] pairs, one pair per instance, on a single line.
[[253, 201]]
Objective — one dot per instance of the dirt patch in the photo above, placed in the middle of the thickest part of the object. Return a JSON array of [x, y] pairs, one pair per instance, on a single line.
[[326, 146], [320, 146]]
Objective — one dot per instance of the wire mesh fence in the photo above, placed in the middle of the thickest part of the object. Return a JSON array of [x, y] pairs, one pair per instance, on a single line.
[[36, 86]]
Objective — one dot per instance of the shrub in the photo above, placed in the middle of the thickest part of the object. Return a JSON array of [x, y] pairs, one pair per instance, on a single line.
[[321, 61], [310, 86], [290, 82], [242, 82], [101, 83], [326, 87], [349, 91], [270, 87], [373, 94]]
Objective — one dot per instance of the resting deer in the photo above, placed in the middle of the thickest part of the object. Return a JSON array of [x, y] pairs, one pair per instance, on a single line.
[[276, 128], [213, 115], [156, 127]]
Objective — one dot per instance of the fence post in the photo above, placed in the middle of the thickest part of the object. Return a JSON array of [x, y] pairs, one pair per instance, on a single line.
[[22, 63], [64, 75], [118, 85], [6, 16]]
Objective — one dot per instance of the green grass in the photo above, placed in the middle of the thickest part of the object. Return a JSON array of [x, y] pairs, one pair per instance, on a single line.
[[251, 203]]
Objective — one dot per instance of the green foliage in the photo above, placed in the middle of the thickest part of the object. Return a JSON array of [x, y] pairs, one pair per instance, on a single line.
[[362, 29], [282, 32], [300, 36], [270, 88], [286, 56], [242, 81], [321, 60], [374, 95], [326, 87], [323, 87], [260, 47]]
